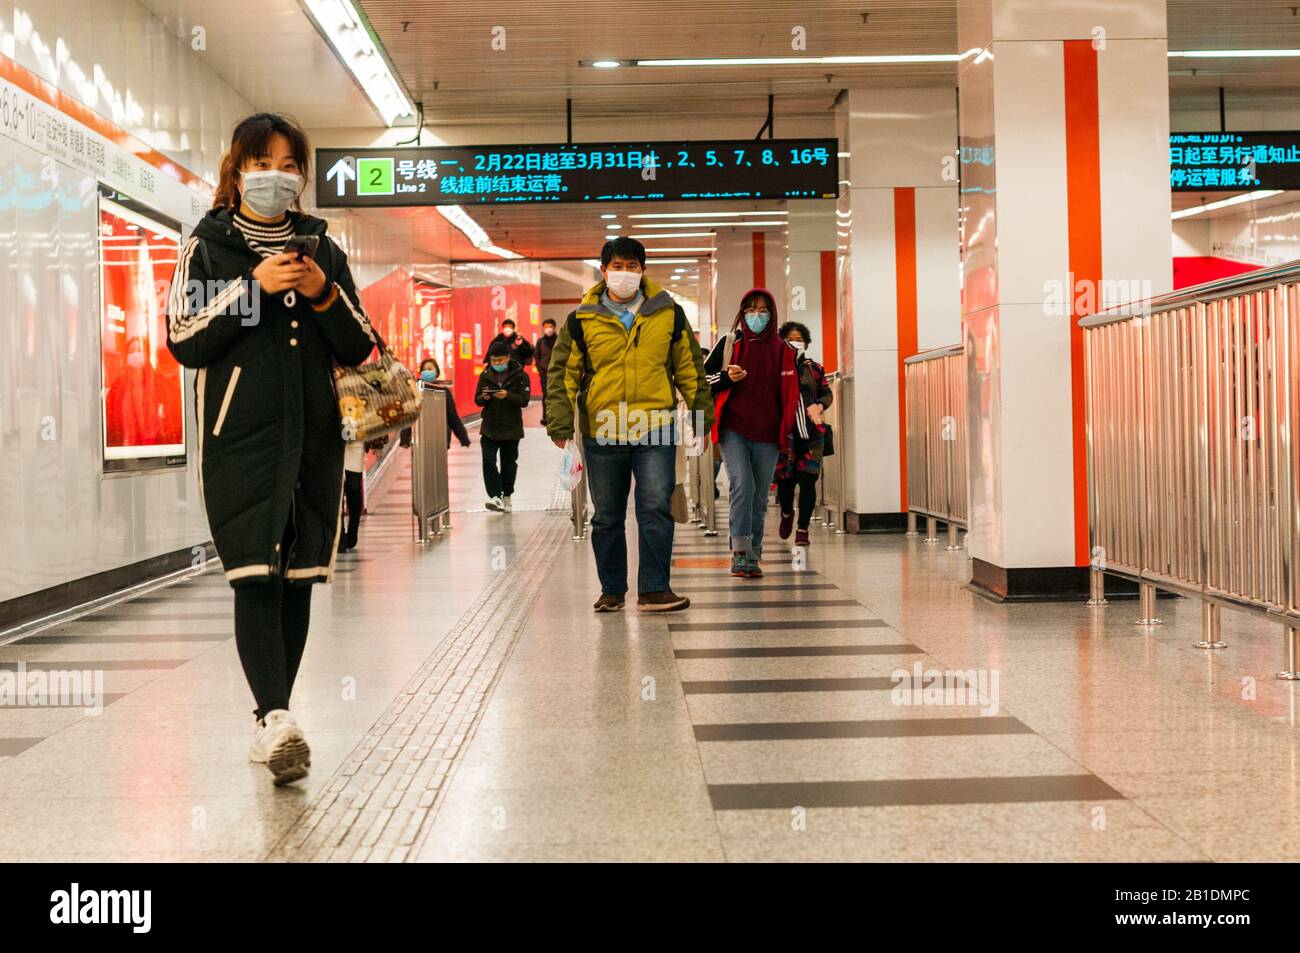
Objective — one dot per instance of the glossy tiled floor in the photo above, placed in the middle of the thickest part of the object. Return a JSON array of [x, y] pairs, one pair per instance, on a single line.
[[463, 703]]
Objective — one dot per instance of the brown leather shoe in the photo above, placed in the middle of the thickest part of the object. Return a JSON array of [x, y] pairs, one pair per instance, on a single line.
[[666, 601], [609, 602]]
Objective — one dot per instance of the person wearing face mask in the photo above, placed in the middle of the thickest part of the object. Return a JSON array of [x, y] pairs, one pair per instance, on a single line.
[[619, 362], [543, 350], [520, 349], [265, 328], [430, 377], [503, 392], [753, 377], [800, 467]]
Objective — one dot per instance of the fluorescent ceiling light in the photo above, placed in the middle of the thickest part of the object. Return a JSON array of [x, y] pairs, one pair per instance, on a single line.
[[1224, 203], [349, 35], [645, 237], [806, 60], [1231, 54], [473, 231], [714, 225], [609, 215], [612, 226], [705, 214]]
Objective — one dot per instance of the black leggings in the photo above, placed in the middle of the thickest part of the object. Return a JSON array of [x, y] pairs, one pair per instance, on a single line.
[[354, 494], [807, 496], [271, 620]]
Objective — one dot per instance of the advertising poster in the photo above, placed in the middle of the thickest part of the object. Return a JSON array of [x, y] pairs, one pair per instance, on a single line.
[[143, 387]]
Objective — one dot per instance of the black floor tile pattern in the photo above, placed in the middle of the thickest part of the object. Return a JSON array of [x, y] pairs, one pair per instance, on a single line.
[[810, 792]]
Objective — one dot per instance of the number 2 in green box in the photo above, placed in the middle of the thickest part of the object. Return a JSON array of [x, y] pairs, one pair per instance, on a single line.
[[375, 176]]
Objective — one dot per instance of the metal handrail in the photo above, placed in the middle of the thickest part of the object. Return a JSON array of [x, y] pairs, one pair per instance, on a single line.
[[830, 495], [937, 486], [430, 484], [700, 481], [1192, 453]]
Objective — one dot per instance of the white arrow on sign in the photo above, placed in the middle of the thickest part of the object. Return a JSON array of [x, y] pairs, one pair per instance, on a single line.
[[343, 170]]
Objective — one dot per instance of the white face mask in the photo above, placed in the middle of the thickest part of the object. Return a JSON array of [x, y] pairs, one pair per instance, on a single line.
[[270, 193], [623, 284], [798, 346]]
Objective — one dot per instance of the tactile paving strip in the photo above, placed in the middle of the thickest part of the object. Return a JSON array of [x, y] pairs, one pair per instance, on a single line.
[[379, 805]]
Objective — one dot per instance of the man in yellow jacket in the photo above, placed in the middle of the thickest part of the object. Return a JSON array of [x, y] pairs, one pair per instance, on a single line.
[[621, 358]]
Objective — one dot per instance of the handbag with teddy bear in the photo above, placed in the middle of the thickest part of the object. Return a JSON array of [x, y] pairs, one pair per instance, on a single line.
[[376, 398]]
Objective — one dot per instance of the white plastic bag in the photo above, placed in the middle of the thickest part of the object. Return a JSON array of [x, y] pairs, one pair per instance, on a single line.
[[570, 466]]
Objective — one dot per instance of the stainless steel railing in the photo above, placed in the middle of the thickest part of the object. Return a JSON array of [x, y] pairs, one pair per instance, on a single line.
[[830, 492], [430, 485], [1193, 472], [701, 482], [936, 442]]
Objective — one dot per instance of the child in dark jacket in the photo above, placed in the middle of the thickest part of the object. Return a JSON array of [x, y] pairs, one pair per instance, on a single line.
[[503, 392]]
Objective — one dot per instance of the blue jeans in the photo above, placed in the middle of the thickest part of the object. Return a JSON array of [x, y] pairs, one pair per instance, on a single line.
[[750, 468], [611, 468]]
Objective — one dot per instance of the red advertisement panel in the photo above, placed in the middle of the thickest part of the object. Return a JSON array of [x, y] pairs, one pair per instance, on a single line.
[[143, 386]]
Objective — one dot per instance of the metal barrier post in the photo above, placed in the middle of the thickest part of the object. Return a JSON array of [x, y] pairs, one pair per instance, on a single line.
[[952, 537], [708, 484], [931, 530], [578, 507], [1147, 604], [911, 523], [430, 487], [1096, 587], [1292, 671], [1210, 627]]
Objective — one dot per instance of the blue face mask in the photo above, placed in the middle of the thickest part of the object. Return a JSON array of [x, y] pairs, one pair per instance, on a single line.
[[428, 377], [757, 321], [499, 368]]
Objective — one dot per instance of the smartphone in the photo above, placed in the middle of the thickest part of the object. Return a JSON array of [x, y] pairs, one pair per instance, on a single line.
[[304, 246]]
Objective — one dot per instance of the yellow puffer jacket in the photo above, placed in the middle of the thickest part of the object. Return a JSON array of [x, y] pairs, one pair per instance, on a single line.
[[624, 381]]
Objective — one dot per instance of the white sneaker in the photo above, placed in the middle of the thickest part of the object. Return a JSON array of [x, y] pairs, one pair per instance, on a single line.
[[495, 505], [505, 504], [278, 743]]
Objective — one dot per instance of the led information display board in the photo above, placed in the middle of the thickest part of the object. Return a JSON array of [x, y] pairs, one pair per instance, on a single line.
[[1234, 161], [581, 172]]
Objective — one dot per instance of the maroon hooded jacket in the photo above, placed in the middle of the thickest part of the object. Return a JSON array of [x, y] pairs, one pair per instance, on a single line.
[[788, 387]]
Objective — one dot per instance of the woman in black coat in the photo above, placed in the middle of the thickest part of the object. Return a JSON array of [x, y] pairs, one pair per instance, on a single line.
[[264, 306]]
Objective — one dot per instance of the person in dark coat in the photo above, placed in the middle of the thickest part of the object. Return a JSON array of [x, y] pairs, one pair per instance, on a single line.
[[800, 467], [431, 376], [503, 392], [520, 349], [264, 327], [542, 352]]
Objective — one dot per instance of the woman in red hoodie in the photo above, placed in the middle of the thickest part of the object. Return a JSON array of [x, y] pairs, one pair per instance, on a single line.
[[756, 394]]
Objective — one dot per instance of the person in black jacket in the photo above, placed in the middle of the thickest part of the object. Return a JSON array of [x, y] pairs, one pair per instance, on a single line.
[[545, 345], [503, 392], [265, 327], [431, 377], [519, 348]]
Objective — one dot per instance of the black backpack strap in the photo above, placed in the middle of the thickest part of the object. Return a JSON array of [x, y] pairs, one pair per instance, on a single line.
[[679, 323], [576, 333]]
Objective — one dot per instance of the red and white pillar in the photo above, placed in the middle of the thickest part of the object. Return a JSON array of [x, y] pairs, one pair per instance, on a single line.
[[899, 264], [1065, 185]]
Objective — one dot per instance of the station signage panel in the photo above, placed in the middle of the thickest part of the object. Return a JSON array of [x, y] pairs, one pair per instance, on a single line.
[[580, 172], [1234, 161]]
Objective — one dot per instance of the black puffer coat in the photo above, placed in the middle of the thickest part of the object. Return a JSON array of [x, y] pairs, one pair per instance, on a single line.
[[503, 417], [270, 438]]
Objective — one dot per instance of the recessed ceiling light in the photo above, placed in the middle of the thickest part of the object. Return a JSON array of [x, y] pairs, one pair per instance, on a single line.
[[609, 215], [606, 64], [613, 225]]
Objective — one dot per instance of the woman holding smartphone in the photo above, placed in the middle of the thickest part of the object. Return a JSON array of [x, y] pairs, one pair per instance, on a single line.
[[756, 398], [263, 305]]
